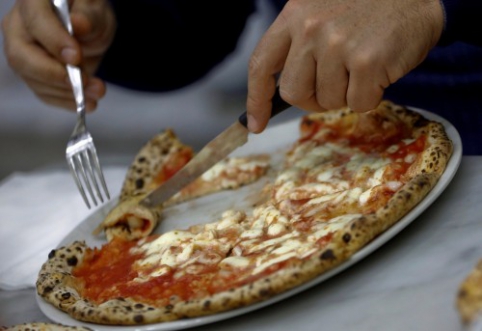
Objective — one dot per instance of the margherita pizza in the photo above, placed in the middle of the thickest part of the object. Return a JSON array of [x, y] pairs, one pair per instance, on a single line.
[[345, 180]]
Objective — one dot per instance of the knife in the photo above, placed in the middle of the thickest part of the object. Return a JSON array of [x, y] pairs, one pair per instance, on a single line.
[[216, 150]]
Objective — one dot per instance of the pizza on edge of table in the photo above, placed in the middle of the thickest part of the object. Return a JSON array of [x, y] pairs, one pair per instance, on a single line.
[[469, 296], [348, 178]]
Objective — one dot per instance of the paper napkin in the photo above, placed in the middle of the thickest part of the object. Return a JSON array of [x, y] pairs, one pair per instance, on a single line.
[[37, 210]]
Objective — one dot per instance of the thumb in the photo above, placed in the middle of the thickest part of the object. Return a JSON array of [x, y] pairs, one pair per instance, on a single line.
[[94, 26]]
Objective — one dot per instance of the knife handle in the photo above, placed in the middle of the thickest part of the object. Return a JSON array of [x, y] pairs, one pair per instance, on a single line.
[[278, 105]]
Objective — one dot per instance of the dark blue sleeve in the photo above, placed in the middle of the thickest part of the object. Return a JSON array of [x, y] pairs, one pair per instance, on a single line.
[[462, 21], [164, 45]]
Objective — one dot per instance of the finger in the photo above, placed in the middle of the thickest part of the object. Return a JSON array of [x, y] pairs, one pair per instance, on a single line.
[[33, 63], [331, 80], [93, 91], [94, 25], [366, 84], [27, 58], [44, 26], [298, 79], [265, 63]]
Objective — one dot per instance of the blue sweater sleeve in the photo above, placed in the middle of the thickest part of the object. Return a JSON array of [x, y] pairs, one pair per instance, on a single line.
[[163, 45], [462, 21]]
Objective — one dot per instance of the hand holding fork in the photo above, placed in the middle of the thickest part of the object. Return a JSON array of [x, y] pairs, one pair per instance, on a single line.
[[81, 154]]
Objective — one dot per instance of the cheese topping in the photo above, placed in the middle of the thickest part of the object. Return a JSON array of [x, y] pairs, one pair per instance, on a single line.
[[328, 178], [328, 182]]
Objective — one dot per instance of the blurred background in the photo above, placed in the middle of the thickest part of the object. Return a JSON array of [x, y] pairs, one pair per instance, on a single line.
[[33, 135]]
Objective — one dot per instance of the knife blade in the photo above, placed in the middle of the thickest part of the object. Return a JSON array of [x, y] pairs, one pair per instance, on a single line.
[[216, 150]]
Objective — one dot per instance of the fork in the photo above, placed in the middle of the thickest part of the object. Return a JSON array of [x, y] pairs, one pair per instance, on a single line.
[[81, 154]]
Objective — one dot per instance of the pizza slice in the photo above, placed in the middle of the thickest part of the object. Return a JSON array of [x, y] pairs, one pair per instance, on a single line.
[[155, 163]]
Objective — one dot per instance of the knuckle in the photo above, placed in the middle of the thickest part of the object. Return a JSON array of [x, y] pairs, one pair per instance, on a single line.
[[364, 60], [254, 65]]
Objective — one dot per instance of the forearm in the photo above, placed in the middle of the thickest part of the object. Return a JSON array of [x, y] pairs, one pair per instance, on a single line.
[[462, 21]]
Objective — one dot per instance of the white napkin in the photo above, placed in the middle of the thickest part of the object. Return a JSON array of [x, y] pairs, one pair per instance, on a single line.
[[37, 210]]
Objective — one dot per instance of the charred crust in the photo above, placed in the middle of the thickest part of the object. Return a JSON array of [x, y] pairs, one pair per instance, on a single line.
[[169, 307], [138, 319], [72, 261], [346, 238], [52, 253], [47, 290], [207, 304], [66, 295], [327, 255], [264, 292], [139, 183]]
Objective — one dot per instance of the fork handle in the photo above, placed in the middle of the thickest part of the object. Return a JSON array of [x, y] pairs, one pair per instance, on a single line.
[[75, 76], [76, 81]]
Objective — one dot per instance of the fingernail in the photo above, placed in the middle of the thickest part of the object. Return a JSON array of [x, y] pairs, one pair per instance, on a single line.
[[69, 55], [252, 123]]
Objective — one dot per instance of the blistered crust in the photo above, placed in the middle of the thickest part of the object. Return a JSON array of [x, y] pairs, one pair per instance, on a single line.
[[41, 326], [57, 285], [149, 161]]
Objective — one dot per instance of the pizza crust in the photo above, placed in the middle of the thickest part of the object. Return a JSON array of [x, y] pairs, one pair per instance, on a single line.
[[56, 284], [149, 162], [40, 326], [469, 296]]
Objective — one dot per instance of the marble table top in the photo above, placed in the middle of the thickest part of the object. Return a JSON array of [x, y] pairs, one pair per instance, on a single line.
[[410, 283]]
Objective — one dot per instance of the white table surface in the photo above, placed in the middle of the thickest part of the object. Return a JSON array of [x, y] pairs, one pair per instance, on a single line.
[[410, 283]]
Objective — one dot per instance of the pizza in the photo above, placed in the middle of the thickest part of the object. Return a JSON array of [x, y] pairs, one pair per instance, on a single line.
[[343, 181], [160, 158], [43, 326], [469, 296]]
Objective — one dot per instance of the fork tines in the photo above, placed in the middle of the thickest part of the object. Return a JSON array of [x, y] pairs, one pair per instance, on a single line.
[[86, 170]]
